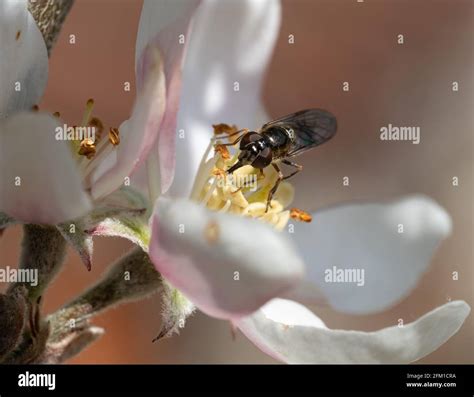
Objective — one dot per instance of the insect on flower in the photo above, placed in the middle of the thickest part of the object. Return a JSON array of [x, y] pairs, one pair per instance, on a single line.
[[279, 140]]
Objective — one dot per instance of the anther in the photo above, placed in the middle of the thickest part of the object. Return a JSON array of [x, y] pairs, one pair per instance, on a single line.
[[87, 148], [114, 136], [300, 215], [224, 129], [223, 151]]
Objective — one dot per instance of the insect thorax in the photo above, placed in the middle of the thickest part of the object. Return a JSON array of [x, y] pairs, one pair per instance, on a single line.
[[279, 139]]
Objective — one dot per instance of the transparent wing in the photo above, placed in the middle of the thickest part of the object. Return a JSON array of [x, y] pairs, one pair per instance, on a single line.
[[312, 127]]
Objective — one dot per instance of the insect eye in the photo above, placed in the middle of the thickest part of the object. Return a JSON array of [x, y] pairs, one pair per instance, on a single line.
[[263, 159], [249, 138]]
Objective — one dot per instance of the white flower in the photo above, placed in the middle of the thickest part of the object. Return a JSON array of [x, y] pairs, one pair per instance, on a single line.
[[214, 245], [200, 250]]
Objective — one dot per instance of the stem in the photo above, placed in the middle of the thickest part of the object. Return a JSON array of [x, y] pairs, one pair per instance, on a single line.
[[42, 257], [132, 277]]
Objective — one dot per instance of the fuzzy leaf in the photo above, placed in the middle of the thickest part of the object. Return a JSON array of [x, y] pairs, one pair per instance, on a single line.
[[122, 213], [176, 309]]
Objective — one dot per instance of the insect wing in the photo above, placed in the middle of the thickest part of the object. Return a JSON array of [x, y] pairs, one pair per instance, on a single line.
[[312, 128]]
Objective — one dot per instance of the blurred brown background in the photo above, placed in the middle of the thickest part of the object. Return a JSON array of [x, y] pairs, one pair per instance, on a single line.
[[335, 41]]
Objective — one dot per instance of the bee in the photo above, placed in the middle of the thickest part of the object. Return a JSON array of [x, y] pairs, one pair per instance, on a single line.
[[280, 140]]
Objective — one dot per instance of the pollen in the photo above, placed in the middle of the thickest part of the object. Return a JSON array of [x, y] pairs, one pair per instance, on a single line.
[[87, 148], [300, 215], [223, 151], [211, 232], [224, 129]]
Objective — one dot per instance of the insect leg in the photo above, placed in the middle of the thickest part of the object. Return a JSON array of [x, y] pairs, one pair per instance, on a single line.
[[275, 187], [243, 131], [292, 164]]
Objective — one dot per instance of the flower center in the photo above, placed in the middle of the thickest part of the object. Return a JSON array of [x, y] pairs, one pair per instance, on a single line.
[[243, 192], [91, 149]]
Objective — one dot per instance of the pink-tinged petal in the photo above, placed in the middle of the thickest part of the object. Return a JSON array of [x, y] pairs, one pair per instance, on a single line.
[[228, 266], [23, 60], [138, 134], [291, 333], [166, 25], [214, 63], [169, 33], [152, 127], [391, 243], [39, 179]]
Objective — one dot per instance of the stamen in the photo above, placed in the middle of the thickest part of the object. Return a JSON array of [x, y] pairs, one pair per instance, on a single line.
[[57, 115], [223, 151], [226, 206], [87, 148], [300, 215], [88, 112], [202, 177], [208, 195], [35, 108], [98, 126], [114, 136]]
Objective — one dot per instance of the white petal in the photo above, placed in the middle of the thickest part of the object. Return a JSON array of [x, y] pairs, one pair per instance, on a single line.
[[165, 25], [39, 180], [215, 61], [291, 333], [23, 60], [138, 134], [155, 18], [367, 237], [228, 266]]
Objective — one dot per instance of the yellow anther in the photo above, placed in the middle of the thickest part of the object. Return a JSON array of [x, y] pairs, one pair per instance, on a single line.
[[300, 215], [223, 151], [224, 129], [87, 148], [114, 136]]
